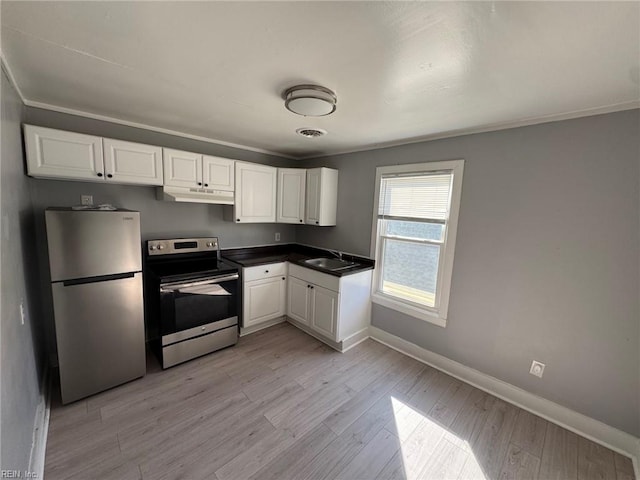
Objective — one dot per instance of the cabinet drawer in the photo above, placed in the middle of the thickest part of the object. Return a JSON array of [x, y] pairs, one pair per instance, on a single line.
[[264, 271], [317, 278]]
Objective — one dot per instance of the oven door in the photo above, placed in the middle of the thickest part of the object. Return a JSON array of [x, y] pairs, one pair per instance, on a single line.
[[197, 307]]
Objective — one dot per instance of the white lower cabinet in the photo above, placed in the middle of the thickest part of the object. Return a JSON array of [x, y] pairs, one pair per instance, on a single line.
[[324, 308], [264, 294], [299, 300], [335, 308]]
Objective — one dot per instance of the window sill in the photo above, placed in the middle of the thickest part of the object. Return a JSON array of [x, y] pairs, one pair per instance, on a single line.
[[407, 309]]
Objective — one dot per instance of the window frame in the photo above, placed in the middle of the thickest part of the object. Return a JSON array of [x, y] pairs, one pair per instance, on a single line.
[[437, 314]]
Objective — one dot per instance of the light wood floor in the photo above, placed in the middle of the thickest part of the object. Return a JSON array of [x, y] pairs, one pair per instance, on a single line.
[[281, 405]]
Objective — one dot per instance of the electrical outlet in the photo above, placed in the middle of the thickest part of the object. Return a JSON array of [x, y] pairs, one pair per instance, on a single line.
[[22, 314], [86, 200], [537, 369], [277, 236]]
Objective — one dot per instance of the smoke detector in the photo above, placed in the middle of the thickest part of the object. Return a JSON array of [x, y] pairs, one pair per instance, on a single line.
[[310, 100], [311, 132]]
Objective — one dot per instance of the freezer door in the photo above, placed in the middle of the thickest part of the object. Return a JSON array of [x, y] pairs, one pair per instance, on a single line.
[[100, 335], [92, 243]]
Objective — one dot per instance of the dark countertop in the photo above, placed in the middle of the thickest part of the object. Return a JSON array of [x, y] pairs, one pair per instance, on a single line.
[[294, 253]]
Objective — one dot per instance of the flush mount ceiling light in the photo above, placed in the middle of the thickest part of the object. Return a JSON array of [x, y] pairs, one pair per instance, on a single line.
[[310, 100], [311, 132]]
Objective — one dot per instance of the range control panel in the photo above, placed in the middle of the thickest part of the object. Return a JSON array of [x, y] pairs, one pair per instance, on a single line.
[[182, 245]]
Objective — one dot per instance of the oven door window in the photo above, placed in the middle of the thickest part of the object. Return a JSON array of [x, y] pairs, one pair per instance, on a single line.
[[187, 306]]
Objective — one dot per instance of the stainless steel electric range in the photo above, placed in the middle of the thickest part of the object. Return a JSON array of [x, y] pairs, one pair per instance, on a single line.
[[191, 299]]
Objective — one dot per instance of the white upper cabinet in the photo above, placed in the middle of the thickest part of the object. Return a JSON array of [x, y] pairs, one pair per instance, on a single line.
[[182, 169], [193, 170], [255, 193], [321, 196], [65, 155], [135, 163], [218, 173], [291, 195]]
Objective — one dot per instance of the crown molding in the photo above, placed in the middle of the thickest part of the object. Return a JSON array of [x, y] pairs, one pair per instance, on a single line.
[[12, 80], [495, 127]]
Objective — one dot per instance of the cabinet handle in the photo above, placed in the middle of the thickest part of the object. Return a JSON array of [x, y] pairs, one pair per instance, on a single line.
[[199, 183], [237, 219], [109, 175], [99, 174], [206, 184], [317, 223], [266, 271], [300, 220], [284, 278], [311, 286]]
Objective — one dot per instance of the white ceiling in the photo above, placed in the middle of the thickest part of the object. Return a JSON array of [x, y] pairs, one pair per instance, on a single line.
[[402, 71]]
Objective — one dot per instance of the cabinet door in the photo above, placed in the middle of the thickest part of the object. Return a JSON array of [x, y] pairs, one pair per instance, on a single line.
[[255, 193], [313, 197], [298, 300], [324, 311], [264, 300], [218, 173], [59, 154], [291, 195], [135, 163], [182, 169]]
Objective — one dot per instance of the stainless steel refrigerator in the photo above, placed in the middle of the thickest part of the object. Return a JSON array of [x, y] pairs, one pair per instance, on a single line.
[[96, 280]]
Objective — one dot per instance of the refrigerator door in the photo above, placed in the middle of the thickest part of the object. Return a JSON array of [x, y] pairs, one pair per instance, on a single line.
[[92, 243], [100, 335]]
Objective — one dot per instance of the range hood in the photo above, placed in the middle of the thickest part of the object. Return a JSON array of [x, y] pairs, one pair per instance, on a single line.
[[195, 195]]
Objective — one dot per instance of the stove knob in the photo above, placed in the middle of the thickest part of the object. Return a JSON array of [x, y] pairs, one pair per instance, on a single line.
[[160, 247], [152, 247], [209, 244]]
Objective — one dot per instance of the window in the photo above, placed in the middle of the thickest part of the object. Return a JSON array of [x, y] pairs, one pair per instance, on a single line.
[[414, 233]]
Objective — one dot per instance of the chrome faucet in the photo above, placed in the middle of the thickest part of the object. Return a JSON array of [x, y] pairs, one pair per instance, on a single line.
[[336, 253]]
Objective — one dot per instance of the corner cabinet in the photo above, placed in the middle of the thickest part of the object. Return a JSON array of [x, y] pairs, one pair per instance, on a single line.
[[256, 187], [335, 308], [264, 290], [66, 155], [321, 196], [291, 195]]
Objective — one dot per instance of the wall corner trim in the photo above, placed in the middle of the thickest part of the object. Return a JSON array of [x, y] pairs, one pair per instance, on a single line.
[[587, 427], [41, 428]]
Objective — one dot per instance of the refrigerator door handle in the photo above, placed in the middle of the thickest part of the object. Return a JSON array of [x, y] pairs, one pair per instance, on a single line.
[[101, 278]]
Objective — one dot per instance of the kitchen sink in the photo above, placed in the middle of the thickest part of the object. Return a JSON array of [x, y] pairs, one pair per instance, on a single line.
[[331, 264]]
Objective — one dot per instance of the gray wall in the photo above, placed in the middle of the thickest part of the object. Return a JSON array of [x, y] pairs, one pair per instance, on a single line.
[[21, 347], [546, 261], [159, 219]]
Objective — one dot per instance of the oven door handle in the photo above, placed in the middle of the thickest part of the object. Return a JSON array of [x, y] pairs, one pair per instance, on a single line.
[[172, 287]]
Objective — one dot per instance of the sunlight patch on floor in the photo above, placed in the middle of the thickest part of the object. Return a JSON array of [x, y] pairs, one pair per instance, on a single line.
[[430, 451]]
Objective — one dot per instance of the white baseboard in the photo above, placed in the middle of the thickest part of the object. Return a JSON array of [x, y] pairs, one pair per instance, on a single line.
[[590, 428], [355, 339], [41, 428]]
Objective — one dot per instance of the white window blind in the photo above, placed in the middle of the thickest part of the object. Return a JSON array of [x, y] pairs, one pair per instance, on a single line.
[[418, 196]]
